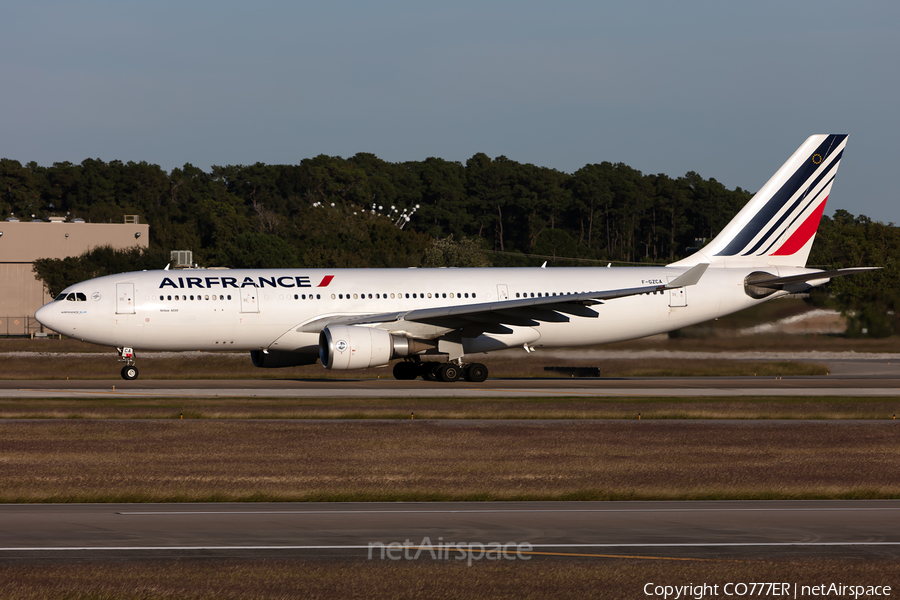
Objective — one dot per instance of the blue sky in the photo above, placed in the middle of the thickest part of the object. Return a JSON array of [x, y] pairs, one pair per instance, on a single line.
[[729, 90]]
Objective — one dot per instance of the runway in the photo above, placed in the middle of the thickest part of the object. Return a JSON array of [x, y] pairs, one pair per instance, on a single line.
[[348, 530], [875, 384]]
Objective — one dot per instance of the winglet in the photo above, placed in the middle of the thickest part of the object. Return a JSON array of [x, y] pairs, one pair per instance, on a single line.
[[689, 277]]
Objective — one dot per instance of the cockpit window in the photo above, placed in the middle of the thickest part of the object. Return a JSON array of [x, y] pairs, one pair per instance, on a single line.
[[60, 297], [80, 297], [71, 297]]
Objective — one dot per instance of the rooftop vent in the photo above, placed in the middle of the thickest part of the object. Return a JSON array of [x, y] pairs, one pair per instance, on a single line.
[[181, 258]]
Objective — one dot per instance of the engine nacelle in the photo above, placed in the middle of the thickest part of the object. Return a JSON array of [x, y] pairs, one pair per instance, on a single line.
[[276, 359], [344, 347]]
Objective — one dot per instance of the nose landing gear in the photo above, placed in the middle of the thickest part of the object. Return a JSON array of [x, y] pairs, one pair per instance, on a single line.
[[129, 371]]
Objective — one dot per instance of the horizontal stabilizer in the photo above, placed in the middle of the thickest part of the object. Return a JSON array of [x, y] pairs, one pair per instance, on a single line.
[[776, 283]]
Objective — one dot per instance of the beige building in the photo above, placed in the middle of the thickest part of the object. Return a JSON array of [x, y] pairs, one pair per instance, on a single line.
[[22, 242]]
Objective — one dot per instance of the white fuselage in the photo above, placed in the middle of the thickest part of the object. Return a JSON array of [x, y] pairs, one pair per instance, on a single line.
[[267, 309]]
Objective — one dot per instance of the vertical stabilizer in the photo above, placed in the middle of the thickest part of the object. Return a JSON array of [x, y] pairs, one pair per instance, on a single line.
[[778, 225]]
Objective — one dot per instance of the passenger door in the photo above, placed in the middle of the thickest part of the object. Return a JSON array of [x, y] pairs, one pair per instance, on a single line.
[[677, 296], [249, 300], [125, 298]]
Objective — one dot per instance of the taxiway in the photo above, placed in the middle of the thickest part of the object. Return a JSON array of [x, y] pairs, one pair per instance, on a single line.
[[674, 529]]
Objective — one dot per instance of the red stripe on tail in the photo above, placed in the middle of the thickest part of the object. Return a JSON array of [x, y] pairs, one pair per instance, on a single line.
[[803, 233]]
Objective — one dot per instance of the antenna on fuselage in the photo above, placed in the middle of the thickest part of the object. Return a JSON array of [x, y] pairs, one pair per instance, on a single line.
[[167, 267]]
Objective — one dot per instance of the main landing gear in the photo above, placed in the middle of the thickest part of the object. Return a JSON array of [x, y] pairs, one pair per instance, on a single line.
[[435, 371], [129, 371]]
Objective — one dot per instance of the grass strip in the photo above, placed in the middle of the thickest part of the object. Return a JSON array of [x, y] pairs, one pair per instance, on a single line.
[[191, 460], [420, 579], [567, 407]]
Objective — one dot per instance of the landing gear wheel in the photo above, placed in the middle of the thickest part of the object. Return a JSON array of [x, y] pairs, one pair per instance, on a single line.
[[406, 371], [476, 372], [448, 372], [428, 371], [129, 372]]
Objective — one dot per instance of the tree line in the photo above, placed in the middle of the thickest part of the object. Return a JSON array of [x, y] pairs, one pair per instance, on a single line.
[[349, 212], [319, 211]]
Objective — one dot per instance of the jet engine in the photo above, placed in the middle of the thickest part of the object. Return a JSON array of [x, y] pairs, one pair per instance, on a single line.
[[275, 359], [345, 347]]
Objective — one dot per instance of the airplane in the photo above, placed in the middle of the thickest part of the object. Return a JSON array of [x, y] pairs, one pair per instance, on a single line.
[[436, 319]]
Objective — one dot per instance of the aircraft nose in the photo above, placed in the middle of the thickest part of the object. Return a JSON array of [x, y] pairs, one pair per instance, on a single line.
[[48, 316]]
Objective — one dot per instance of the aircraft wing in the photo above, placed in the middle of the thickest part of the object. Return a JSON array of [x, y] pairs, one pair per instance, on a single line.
[[492, 317]]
